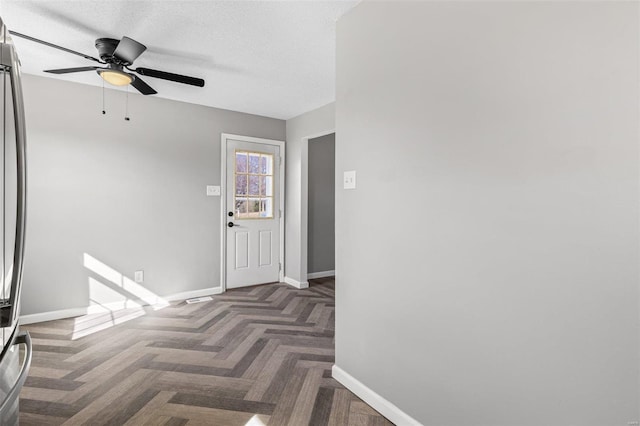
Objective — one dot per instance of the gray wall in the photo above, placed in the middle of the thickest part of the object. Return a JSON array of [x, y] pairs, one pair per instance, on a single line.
[[487, 263], [321, 204], [311, 124], [129, 194]]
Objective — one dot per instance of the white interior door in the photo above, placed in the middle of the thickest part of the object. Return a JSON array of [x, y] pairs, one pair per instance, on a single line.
[[253, 213]]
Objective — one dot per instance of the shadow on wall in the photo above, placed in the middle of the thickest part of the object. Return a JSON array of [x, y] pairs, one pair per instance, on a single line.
[[113, 298]]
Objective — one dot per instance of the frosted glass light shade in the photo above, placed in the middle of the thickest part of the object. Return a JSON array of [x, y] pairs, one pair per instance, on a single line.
[[115, 77]]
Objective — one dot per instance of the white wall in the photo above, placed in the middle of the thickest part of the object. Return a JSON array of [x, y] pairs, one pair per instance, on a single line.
[[321, 242], [129, 194], [487, 263], [311, 124]]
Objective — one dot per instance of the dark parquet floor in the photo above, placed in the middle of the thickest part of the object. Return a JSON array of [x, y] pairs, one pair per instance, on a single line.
[[253, 356]]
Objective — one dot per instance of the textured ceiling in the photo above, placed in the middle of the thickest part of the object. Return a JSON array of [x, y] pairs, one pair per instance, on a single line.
[[271, 58]]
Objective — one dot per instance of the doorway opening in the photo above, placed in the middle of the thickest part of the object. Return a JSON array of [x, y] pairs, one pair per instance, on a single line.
[[321, 207]]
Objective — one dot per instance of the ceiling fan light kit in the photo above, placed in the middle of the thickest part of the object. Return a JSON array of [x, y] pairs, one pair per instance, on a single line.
[[118, 55], [115, 77]]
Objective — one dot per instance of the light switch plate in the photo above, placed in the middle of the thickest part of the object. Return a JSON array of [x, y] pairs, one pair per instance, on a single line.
[[213, 191], [350, 179]]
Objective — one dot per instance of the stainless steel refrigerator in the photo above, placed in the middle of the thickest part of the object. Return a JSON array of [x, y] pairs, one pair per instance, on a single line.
[[14, 362]]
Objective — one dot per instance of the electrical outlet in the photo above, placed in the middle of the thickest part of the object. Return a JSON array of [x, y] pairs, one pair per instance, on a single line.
[[138, 276]]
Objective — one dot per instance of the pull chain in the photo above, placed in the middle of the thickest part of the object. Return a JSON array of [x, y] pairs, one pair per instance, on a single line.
[[103, 110], [126, 106]]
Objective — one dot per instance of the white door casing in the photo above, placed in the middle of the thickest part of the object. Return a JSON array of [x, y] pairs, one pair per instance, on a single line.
[[252, 206]]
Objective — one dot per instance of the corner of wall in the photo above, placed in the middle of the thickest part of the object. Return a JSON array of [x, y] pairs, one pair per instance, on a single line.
[[382, 405], [295, 283]]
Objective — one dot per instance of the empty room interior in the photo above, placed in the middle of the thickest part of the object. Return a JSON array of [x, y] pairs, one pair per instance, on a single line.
[[320, 213]]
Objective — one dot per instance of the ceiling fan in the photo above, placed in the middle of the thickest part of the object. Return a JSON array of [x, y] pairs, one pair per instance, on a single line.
[[118, 56]]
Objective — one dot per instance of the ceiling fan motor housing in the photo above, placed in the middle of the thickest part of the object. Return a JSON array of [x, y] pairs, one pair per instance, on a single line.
[[106, 47]]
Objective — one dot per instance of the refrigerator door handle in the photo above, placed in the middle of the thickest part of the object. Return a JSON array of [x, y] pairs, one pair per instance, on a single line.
[[21, 339]]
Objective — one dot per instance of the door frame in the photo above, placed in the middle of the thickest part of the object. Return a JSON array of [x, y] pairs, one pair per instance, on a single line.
[[224, 137]]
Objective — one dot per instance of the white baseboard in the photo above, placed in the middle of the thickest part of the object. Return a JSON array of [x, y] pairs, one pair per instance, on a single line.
[[53, 315], [322, 274], [113, 306], [194, 293], [296, 283], [369, 396]]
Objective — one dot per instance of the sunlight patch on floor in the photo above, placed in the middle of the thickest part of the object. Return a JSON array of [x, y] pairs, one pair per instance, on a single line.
[[92, 323], [114, 300], [255, 421]]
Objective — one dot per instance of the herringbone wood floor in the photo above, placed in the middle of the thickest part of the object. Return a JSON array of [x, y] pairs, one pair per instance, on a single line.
[[252, 356]]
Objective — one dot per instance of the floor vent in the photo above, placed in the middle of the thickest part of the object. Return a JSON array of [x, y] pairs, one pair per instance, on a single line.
[[199, 299]]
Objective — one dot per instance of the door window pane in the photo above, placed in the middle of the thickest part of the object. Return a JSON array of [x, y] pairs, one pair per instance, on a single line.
[[241, 206], [254, 163], [241, 184], [266, 207], [263, 185], [241, 162], [266, 165], [254, 206], [254, 185], [267, 187]]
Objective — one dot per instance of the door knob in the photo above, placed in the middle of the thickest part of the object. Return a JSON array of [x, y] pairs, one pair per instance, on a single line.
[[230, 224], [230, 214]]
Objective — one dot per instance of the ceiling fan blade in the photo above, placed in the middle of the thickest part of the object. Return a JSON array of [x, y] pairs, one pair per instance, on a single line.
[[170, 76], [70, 70], [55, 46], [128, 50], [142, 87]]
